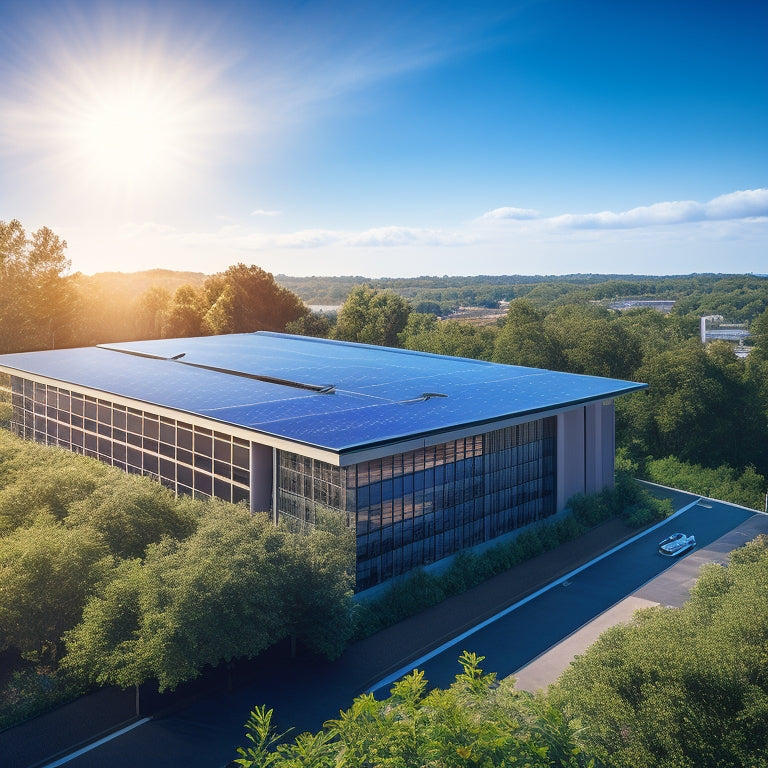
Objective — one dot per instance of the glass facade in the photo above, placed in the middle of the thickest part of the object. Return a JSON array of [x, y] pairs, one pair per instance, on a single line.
[[407, 509], [187, 458], [413, 508]]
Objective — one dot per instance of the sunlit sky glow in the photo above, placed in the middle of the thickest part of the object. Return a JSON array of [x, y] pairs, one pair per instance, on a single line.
[[390, 139]]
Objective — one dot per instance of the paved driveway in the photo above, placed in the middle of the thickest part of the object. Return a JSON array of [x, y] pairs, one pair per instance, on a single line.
[[305, 692], [563, 619]]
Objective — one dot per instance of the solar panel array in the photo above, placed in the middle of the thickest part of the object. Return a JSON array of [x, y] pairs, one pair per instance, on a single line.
[[333, 395]]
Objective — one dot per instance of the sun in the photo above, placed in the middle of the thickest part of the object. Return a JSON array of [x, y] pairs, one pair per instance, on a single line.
[[121, 119], [127, 134]]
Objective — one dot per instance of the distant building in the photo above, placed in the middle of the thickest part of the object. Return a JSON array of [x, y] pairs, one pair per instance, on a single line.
[[424, 455], [714, 327], [661, 305]]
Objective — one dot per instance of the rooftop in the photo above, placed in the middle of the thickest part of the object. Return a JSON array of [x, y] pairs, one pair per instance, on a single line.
[[332, 395]]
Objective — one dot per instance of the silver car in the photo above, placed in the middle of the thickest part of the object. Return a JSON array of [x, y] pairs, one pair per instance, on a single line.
[[676, 544]]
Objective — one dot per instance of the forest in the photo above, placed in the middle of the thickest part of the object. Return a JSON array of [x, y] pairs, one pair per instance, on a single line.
[[109, 579]]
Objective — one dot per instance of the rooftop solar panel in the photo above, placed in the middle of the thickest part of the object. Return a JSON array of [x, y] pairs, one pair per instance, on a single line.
[[332, 395]]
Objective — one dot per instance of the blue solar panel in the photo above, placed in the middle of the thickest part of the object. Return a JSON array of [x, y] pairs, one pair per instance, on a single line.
[[268, 382]]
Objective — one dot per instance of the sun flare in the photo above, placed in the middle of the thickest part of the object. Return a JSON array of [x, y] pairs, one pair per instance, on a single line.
[[126, 136], [123, 120]]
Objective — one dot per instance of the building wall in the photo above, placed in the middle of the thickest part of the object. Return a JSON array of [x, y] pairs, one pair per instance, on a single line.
[[410, 509], [407, 509], [585, 450], [187, 458]]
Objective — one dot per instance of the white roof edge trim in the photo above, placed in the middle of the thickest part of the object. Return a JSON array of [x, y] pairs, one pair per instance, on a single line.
[[251, 435]]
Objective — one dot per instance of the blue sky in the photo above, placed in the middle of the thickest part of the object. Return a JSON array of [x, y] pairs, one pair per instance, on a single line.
[[390, 138]]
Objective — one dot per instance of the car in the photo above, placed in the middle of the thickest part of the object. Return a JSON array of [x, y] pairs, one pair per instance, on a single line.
[[676, 544]]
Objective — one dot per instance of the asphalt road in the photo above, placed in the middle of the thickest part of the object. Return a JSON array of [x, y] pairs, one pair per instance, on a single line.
[[543, 620], [205, 734]]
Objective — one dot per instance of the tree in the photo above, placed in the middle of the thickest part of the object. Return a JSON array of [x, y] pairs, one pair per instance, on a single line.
[[244, 298], [369, 316], [132, 512], [151, 312], [681, 687], [36, 299], [524, 339], [216, 596], [317, 586], [759, 331], [424, 332], [47, 571], [594, 342], [477, 721], [314, 324], [185, 315]]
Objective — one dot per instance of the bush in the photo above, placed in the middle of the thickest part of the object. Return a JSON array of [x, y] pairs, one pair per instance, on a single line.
[[30, 692], [627, 500]]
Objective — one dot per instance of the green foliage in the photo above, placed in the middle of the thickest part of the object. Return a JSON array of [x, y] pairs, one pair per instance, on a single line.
[[372, 317], [426, 333], [131, 513], [421, 589], [36, 300], [746, 488], [681, 687], [594, 341], [524, 340], [30, 691], [244, 298], [231, 589], [476, 722], [47, 572]]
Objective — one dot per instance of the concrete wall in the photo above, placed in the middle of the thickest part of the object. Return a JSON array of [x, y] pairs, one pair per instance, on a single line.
[[585, 450], [261, 478]]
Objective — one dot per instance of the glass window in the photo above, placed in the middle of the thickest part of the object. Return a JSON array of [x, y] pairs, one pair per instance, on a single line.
[[168, 469], [134, 421], [167, 431], [203, 483], [151, 463], [133, 457], [203, 462], [184, 437], [184, 475], [203, 443], [91, 408], [222, 489], [240, 494], [241, 456], [167, 450], [104, 412], [151, 427], [222, 448], [119, 417], [240, 476]]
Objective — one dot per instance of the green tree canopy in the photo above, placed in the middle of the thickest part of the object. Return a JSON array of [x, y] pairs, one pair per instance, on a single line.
[[424, 332], [234, 587], [46, 573], [524, 339], [477, 721], [681, 687], [372, 317], [36, 299], [244, 298]]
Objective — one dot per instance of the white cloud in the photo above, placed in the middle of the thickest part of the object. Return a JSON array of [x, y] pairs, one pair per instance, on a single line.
[[262, 212], [735, 206], [517, 214]]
